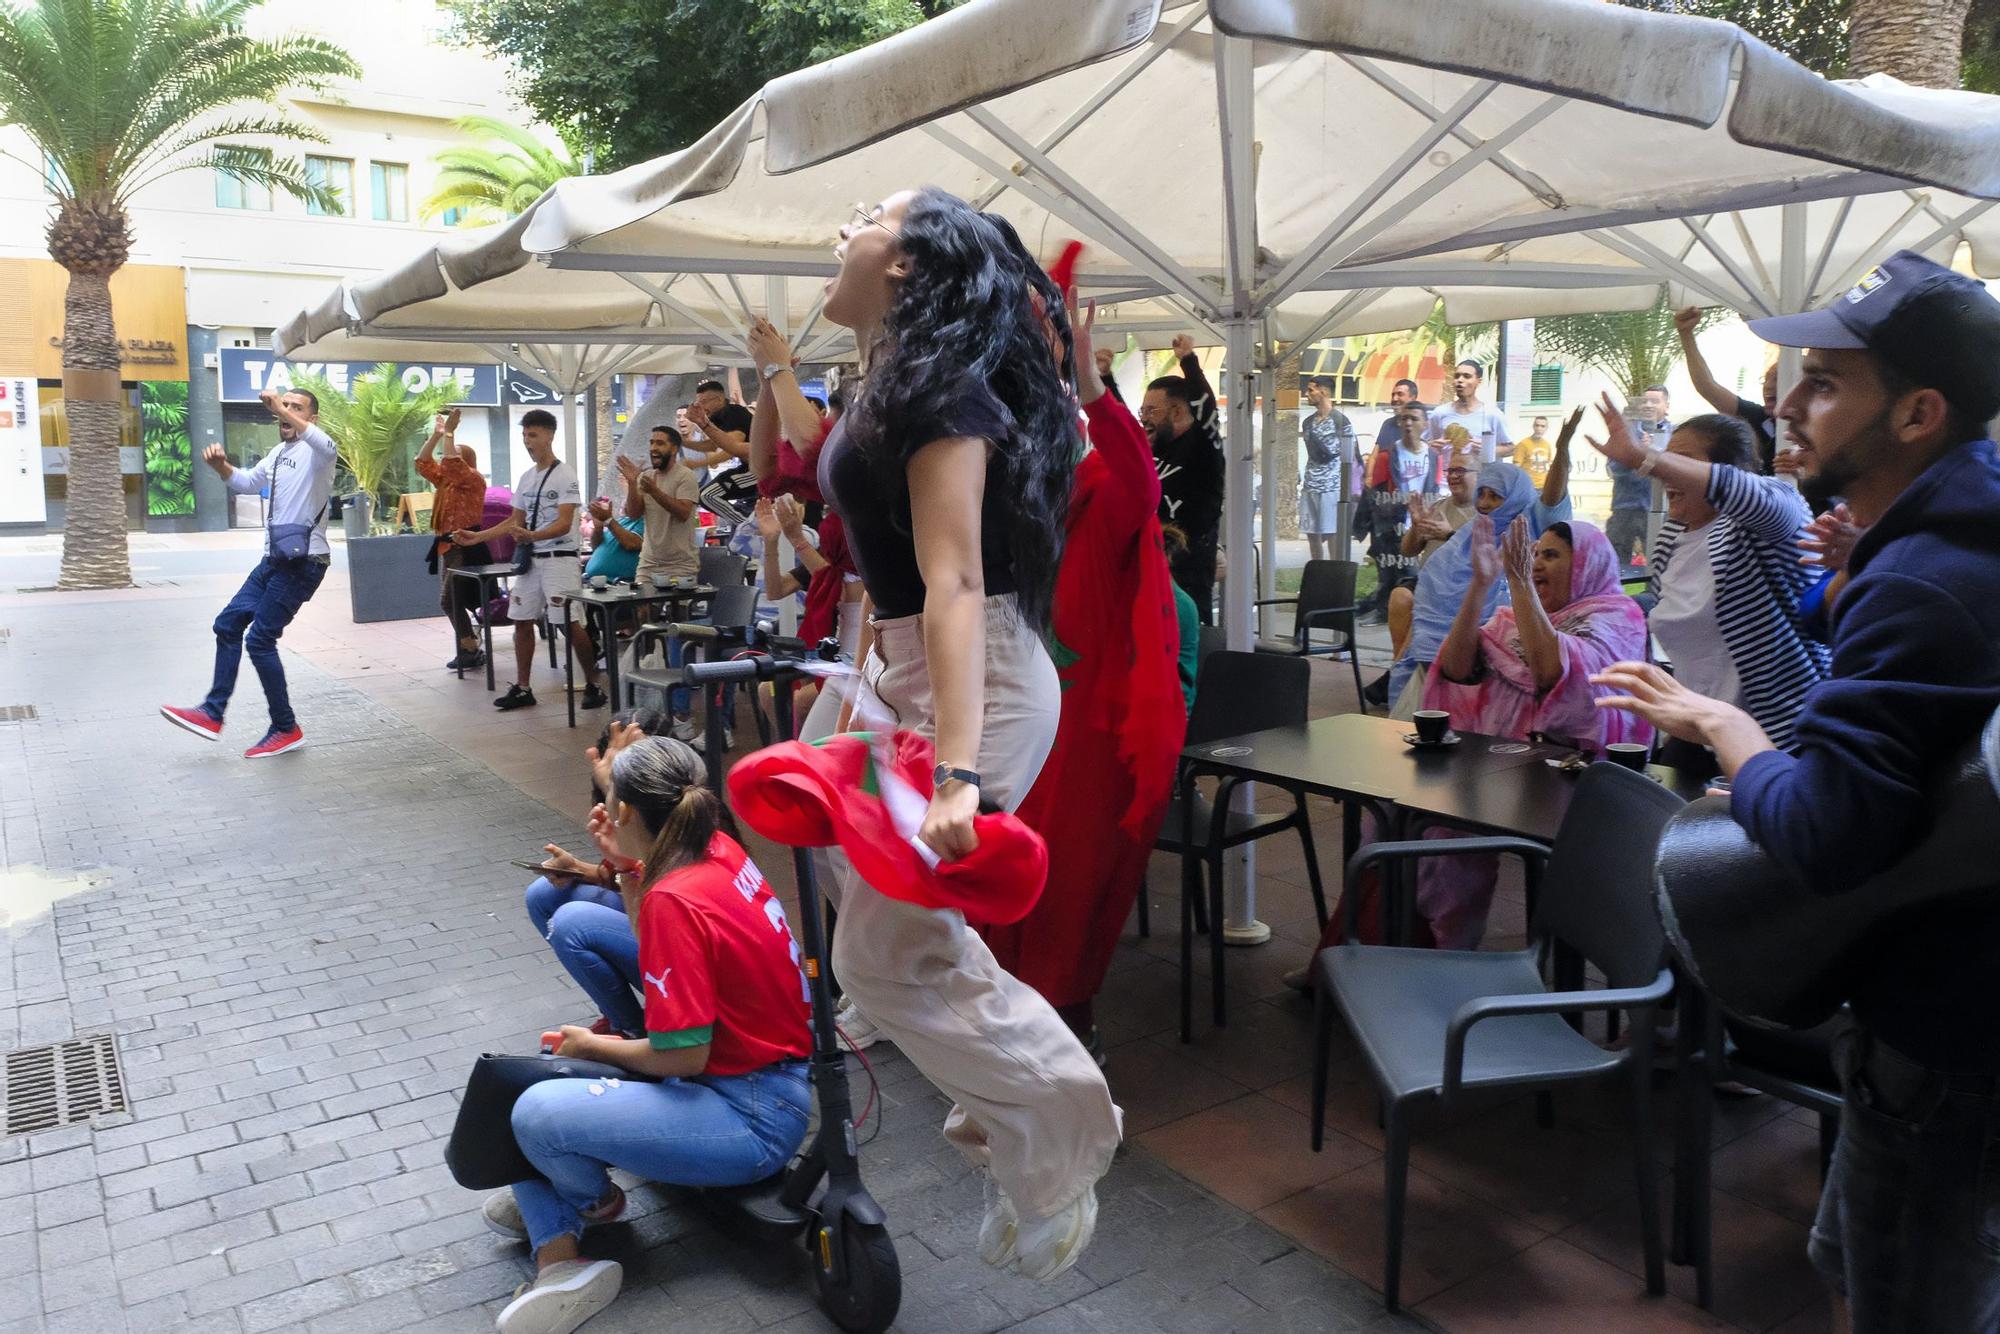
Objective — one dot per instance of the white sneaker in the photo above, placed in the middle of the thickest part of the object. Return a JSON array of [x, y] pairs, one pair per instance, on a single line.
[[685, 729], [1049, 1246], [502, 1212], [562, 1297], [859, 1028], [999, 1231]]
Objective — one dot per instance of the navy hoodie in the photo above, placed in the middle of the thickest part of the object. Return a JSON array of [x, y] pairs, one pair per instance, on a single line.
[[1916, 674]]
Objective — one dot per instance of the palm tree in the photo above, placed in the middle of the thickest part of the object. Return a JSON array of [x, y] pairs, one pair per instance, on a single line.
[[1636, 348], [498, 179], [1918, 41], [115, 94]]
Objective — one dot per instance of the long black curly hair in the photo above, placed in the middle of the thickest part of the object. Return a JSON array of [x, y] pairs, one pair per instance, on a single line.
[[975, 316]]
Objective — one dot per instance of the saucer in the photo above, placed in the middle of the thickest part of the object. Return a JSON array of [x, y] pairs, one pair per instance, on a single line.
[[1449, 740]]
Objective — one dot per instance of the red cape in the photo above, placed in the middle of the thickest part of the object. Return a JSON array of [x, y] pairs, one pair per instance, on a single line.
[[1103, 791]]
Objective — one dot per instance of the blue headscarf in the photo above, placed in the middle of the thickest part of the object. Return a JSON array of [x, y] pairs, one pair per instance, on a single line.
[[1442, 583]]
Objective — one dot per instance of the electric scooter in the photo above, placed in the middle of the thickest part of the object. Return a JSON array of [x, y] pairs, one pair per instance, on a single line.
[[819, 1198]]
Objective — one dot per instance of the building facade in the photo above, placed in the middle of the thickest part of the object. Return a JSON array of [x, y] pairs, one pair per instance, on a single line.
[[218, 262]]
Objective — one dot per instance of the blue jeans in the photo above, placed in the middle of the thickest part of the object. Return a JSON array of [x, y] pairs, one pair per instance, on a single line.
[[265, 605], [1909, 1222], [587, 928], [711, 1130]]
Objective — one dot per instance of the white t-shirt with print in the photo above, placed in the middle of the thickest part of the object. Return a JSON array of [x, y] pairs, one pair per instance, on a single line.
[[539, 493], [1484, 428]]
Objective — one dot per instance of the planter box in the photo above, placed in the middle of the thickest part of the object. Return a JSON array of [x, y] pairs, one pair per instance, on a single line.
[[387, 581]]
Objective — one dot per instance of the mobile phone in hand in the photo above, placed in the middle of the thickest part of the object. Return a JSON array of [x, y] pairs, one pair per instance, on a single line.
[[526, 865]]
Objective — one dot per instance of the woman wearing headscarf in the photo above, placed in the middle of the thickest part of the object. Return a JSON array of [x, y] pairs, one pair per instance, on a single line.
[[1504, 494], [1524, 668]]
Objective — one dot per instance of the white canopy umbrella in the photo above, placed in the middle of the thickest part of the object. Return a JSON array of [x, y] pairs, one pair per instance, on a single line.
[[1269, 168]]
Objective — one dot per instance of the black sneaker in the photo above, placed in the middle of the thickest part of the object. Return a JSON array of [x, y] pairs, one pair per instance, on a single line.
[[467, 660], [593, 698], [1377, 691], [515, 698]]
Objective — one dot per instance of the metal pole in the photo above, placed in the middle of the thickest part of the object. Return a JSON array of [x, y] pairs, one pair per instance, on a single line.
[[1267, 517], [1793, 295], [1241, 926], [778, 310]]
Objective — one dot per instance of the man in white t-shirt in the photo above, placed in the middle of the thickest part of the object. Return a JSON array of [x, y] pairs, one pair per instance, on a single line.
[[543, 522], [1466, 420]]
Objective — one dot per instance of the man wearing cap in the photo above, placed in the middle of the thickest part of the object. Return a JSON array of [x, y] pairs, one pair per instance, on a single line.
[[1901, 375]]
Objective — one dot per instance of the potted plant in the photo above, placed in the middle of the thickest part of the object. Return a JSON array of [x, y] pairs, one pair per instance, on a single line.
[[378, 427]]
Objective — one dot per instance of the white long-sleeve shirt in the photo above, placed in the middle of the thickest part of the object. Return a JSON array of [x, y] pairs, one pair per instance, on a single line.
[[300, 475]]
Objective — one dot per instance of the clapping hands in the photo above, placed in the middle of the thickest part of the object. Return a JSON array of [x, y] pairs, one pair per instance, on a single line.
[[1485, 553], [1830, 539]]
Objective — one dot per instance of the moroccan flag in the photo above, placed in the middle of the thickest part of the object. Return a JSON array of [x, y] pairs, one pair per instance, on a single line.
[[866, 794]]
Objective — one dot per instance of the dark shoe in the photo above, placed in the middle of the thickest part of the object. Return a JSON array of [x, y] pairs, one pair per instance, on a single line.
[[515, 698], [1373, 618], [593, 698], [1377, 691], [467, 660]]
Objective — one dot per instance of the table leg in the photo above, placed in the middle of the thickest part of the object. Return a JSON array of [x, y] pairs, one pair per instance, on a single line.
[[610, 642], [487, 589], [569, 661]]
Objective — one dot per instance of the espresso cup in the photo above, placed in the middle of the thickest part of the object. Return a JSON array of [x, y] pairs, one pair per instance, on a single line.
[[1431, 725], [1628, 753], [600, 582]]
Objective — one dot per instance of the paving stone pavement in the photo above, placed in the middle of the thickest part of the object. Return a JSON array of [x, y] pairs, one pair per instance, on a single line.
[[300, 959]]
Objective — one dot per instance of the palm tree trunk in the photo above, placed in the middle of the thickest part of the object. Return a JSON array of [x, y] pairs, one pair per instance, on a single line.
[[94, 550], [1917, 41], [1287, 445]]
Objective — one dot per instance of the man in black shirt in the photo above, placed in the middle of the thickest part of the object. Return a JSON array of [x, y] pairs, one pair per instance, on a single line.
[[725, 428], [1179, 414], [1762, 417]]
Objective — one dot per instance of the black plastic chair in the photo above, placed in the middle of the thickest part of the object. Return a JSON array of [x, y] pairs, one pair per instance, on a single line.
[[720, 567], [1235, 693], [1433, 1022], [1796, 1066], [1325, 602]]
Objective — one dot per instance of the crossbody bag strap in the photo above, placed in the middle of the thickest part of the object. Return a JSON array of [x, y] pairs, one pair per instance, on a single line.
[[535, 514]]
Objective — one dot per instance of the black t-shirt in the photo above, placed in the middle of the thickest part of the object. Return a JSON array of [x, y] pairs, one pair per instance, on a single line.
[[1764, 429], [734, 417], [874, 503]]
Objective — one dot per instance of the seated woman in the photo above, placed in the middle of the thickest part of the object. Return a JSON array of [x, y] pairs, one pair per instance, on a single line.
[[575, 905], [1527, 670], [1503, 493], [723, 1085]]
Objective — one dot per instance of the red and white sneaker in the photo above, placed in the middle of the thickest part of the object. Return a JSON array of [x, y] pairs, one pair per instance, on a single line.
[[275, 743], [196, 720]]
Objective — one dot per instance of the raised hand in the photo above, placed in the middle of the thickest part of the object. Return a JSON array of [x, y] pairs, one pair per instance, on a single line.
[[767, 519], [1618, 444], [1686, 319], [1183, 346], [1485, 553], [1518, 554], [1830, 539], [1102, 356], [628, 467], [789, 516], [1568, 432], [604, 833], [217, 458], [767, 346]]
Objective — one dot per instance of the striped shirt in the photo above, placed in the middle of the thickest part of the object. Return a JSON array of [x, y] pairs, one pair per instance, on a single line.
[[1753, 547]]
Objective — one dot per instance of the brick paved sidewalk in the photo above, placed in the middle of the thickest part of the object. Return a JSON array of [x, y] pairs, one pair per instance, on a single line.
[[300, 959]]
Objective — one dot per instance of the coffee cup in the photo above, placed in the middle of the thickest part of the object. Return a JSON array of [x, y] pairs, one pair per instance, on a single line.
[[600, 582], [1431, 725], [1628, 753]]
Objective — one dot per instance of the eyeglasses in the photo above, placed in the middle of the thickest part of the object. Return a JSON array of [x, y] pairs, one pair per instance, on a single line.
[[1457, 472], [867, 215]]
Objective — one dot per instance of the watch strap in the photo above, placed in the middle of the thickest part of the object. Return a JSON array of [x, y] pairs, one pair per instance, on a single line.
[[946, 773]]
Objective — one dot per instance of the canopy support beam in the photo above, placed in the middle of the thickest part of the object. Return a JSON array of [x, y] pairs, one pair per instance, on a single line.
[[660, 295]]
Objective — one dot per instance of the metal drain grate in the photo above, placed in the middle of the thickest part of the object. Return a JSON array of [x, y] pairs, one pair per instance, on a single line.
[[61, 1084], [18, 713]]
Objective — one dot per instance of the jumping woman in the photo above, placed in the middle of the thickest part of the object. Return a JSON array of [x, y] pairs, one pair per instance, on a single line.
[[951, 470], [726, 1040]]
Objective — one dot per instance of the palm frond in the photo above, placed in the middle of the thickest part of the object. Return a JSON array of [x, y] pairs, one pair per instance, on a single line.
[[498, 179]]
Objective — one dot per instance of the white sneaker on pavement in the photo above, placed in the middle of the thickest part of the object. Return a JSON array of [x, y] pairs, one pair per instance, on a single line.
[[859, 1028], [1000, 1229], [1049, 1246], [562, 1297]]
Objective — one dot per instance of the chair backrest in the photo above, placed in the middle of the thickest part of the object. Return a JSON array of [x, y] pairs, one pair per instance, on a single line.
[[732, 607], [1597, 892], [1211, 640], [1324, 584], [721, 568], [1247, 692]]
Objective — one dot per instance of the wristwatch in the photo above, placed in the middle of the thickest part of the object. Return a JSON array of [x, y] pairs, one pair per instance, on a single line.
[[773, 368], [944, 773]]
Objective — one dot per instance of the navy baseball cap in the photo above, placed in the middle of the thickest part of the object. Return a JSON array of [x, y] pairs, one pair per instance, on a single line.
[[1939, 328]]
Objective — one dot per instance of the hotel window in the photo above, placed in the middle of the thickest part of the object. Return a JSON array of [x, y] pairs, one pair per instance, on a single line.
[[335, 174], [233, 191], [389, 191]]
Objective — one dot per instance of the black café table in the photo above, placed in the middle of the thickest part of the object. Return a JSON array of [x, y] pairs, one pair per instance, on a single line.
[[602, 605], [1486, 784], [488, 579]]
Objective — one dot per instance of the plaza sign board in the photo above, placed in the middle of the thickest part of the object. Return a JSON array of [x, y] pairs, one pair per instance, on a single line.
[[247, 371]]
